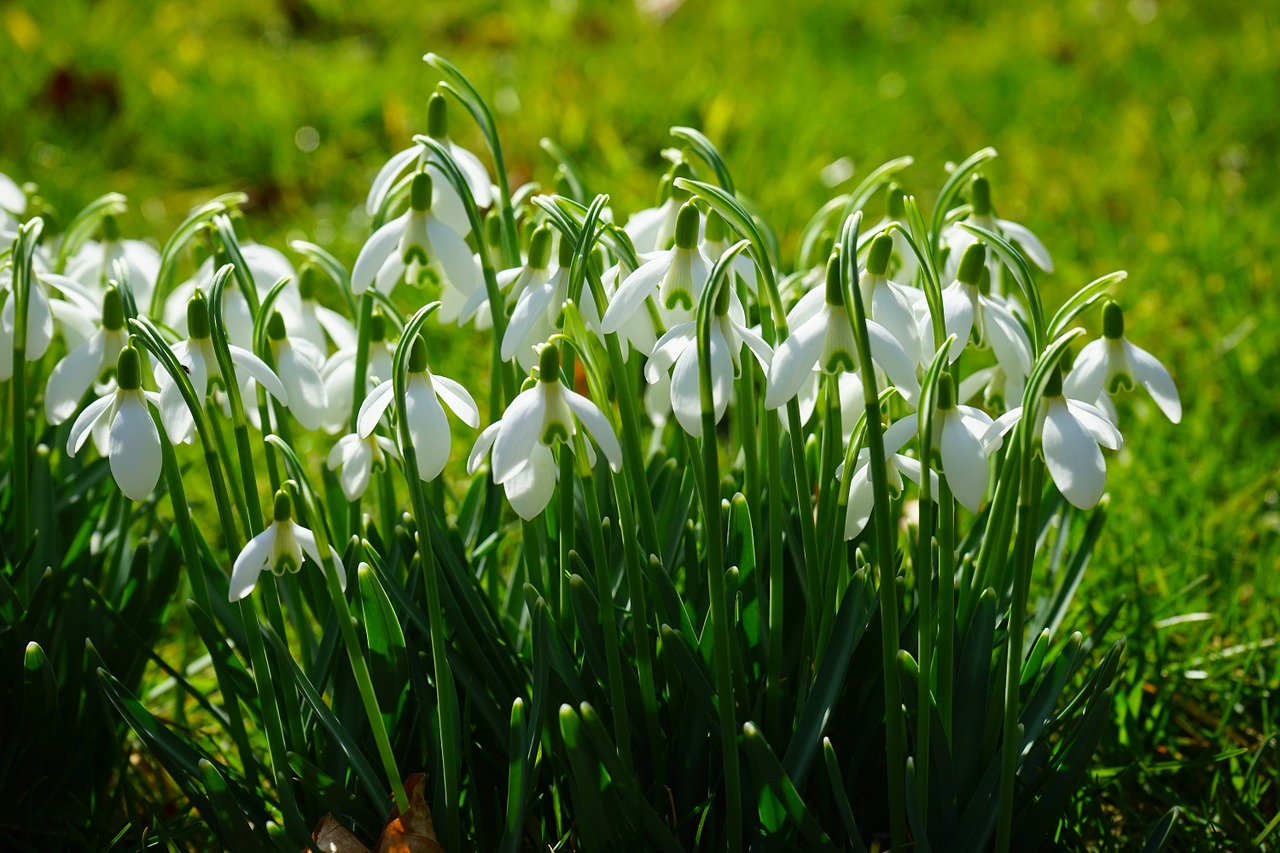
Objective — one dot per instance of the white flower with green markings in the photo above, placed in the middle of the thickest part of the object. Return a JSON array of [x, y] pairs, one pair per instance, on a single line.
[[133, 446], [280, 548], [80, 368], [1111, 364]]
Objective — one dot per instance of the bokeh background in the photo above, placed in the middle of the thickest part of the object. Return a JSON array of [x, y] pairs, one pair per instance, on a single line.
[[1136, 135]]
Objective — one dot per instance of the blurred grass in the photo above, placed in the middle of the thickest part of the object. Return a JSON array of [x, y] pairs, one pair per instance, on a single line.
[[1140, 135]]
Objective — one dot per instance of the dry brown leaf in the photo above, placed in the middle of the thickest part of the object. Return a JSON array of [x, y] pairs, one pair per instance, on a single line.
[[413, 832], [332, 837]]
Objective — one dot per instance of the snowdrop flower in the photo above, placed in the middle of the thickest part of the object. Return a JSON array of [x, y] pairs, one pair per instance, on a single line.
[[298, 363], [423, 414], [652, 229], [339, 373], [314, 322], [970, 313], [1068, 433], [958, 436], [445, 200], [716, 242], [537, 312], [419, 248], [958, 239], [13, 204], [133, 447], [998, 389], [75, 311], [677, 276], [822, 339], [279, 548], [1111, 364], [265, 265], [516, 281], [679, 346], [862, 499], [197, 357], [903, 263], [93, 265], [888, 303], [73, 375], [359, 457], [522, 439]]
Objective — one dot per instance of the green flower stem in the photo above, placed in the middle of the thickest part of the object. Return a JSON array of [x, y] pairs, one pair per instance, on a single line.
[[28, 235], [886, 541], [222, 455], [830, 541], [360, 385], [946, 604], [1023, 563], [608, 608], [996, 535]]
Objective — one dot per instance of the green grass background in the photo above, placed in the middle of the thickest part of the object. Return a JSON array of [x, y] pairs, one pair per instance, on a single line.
[[1142, 136]]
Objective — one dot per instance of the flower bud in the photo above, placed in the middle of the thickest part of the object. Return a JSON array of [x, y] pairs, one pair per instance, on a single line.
[[420, 192], [540, 247], [437, 117], [687, 226], [878, 257], [129, 370], [980, 196], [493, 229], [680, 170], [946, 393], [1112, 321], [112, 310], [974, 258]]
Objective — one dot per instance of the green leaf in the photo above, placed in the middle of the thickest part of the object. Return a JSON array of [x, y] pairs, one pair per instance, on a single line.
[[841, 797], [777, 799], [709, 154], [230, 814], [1162, 831]]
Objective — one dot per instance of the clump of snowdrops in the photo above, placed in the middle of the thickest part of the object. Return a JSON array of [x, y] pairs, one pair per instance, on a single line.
[[751, 546]]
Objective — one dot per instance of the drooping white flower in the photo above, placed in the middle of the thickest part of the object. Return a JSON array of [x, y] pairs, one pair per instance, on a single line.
[[418, 248], [716, 242], [679, 347], [445, 200], [516, 281], [822, 339], [536, 315], [279, 548], [903, 263], [957, 239], [339, 373], [197, 357], [93, 265], [1112, 364], [358, 458], [134, 444], [889, 303], [266, 266], [78, 370], [970, 313], [652, 229], [298, 363], [958, 435], [862, 499], [424, 416], [1069, 433], [522, 439], [74, 312], [315, 322], [676, 276]]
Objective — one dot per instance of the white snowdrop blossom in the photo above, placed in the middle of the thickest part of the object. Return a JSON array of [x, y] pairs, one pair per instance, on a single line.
[[266, 266], [280, 548], [78, 370], [969, 313], [903, 263], [715, 243], [679, 347], [677, 276], [445, 201], [861, 492], [298, 363], [822, 339], [197, 357], [532, 274], [13, 204], [424, 416], [889, 303], [359, 458], [1112, 364], [958, 435], [314, 322], [133, 446], [1069, 433], [536, 315], [522, 439], [957, 239], [94, 265], [652, 229], [339, 373], [420, 249]]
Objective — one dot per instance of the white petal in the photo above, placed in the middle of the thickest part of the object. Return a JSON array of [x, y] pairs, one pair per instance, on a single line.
[[891, 308], [634, 291], [428, 428], [597, 425], [375, 252], [643, 227], [794, 360], [84, 424], [1096, 423], [303, 386], [134, 449], [898, 433], [686, 396], [521, 431], [458, 399], [1007, 337], [459, 265], [994, 436], [307, 539], [387, 176], [339, 328], [1088, 375], [341, 452], [1074, 460], [372, 408], [250, 365], [964, 462], [861, 502], [12, 198], [71, 377], [889, 355], [357, 469], [250, 563], [484, 442], [531, 308], [475, 173], [1156, 379], [758, 346], [1029, 242], [530, 488], [667, 349]]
